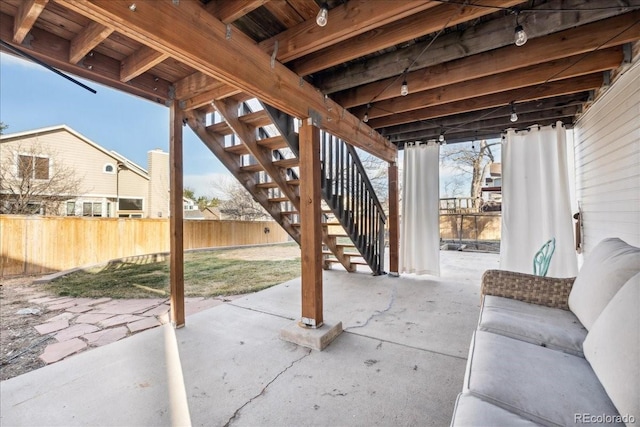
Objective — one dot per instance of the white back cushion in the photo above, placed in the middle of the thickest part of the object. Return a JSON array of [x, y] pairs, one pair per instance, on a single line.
[[612, 347], [611, 263]]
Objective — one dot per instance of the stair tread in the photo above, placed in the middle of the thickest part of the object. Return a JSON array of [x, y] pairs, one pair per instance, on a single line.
[[287, 163], [272, 184], [237, 149], [357, 262], [279, 199], [273, 143], [251, 168]]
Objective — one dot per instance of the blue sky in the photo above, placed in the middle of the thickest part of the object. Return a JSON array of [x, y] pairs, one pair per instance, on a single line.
[[33, 97]]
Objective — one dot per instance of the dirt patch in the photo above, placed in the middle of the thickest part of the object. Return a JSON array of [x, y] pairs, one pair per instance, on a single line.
[[20, 344]]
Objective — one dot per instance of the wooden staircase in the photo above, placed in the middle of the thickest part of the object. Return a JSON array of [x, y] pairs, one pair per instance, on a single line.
[[260, 148]]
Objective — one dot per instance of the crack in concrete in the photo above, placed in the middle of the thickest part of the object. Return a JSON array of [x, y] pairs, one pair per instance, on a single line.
[[377, 312], [264, 389]]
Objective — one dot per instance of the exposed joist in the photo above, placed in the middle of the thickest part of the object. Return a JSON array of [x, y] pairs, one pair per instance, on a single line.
[[140, 61], [91, 36], [483, 37], [416, 25], [228, 11], [346, 21], [536, 74], [200, 41], [484, 123], [307, 9], [54, 50], [547, 90], [28, 13], [412, 130], [221, 91], [285, 14], [575, 41]]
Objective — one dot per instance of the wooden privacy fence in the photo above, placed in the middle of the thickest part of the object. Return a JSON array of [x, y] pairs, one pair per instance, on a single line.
[[38, 245], [470, 226]]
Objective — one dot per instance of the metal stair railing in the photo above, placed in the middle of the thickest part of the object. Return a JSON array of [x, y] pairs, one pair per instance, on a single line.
[[348, 191]]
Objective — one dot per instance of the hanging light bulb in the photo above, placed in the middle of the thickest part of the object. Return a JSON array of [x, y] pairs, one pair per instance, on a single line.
[[521, 36], [323, 15], [441, 138], [366, 117], [514, 116], [404, 89]]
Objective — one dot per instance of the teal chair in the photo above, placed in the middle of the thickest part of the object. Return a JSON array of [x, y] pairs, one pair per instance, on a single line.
[[542, 259]]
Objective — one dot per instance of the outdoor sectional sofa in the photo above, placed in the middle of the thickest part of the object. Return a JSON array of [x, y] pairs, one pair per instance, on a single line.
[[551, 351]]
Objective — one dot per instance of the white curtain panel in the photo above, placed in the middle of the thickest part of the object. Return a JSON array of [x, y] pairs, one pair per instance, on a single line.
[[420, 222], [536, 204]]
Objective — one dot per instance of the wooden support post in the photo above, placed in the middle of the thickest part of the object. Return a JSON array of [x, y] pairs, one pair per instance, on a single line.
[[310, 226], [176, 263], [393, 219]]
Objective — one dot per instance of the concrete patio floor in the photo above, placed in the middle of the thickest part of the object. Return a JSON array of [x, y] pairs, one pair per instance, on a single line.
[[400, 361]]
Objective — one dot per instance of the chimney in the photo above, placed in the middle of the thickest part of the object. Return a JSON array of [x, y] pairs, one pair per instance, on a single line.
[[158, 198]]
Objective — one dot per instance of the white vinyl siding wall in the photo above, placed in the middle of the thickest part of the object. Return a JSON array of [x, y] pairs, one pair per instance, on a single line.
[[607, 156]]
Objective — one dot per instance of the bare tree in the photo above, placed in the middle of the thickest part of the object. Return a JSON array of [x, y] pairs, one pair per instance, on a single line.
[[238, 203], [472, 161], [34, 180]]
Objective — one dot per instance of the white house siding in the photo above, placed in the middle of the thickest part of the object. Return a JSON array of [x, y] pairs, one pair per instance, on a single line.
[[607, 156]]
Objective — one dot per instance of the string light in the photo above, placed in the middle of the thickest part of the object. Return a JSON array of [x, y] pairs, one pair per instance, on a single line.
[[366, 114], [521, 36], [323, 15], [404, 89], [441, 137], [514, 116]]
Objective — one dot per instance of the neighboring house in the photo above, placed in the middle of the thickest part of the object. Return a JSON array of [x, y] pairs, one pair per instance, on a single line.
[[106, 183]]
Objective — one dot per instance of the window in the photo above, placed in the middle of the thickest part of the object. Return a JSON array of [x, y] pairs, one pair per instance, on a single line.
[[109, 168], [128, 204], [71, 208], [33, 167], [92, 209]]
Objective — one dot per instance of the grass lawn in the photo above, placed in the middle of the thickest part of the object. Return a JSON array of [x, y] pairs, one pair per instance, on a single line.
[[206, 274]]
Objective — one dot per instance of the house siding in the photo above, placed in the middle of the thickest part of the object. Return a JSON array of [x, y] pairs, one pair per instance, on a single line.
[[88, 161], [607, 157]]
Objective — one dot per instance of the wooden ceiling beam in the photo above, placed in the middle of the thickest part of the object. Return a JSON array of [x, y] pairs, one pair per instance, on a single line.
[[222, 91], [482, 37], [307, 9], [530, 93], [90, 37], [200, 41], [575, 41], [54, 51], [345, 21], [140, 61], [228, 11], [28, 13], [284, 13], [413, 26], [559, 69], [482, 123], [395, 133]]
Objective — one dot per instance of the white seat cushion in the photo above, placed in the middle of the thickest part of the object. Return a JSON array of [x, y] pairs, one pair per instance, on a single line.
[[547, 386], [613, 349], [611, 263], [470, 410], [548, 327]]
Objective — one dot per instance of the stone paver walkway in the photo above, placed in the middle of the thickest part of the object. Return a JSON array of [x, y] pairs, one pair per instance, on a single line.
[[92, 322]]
